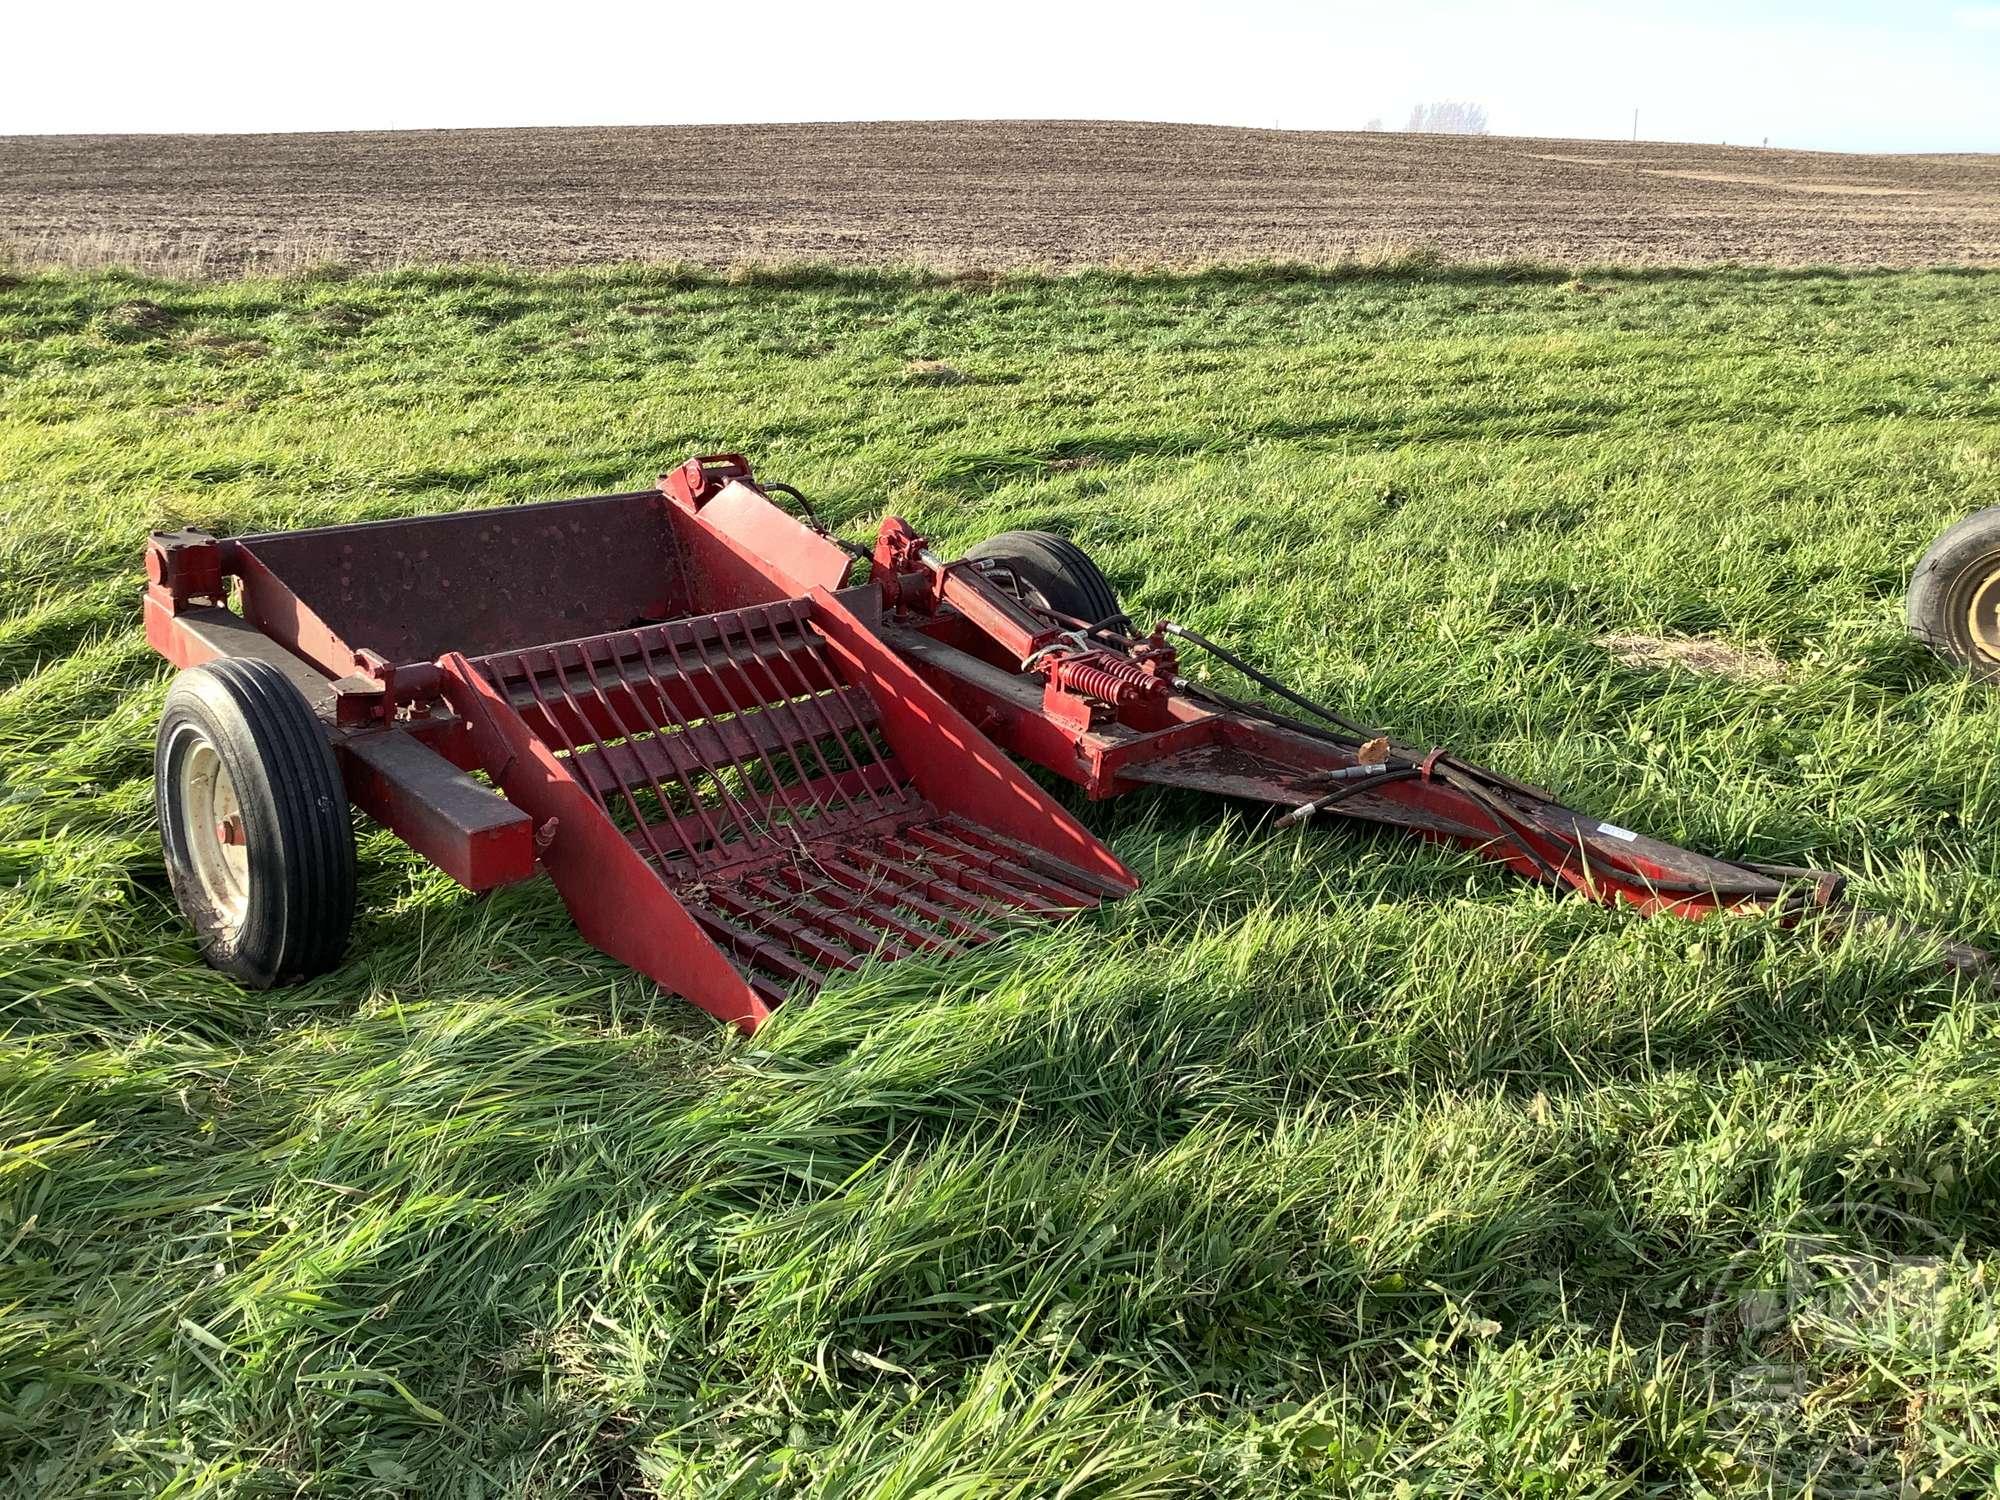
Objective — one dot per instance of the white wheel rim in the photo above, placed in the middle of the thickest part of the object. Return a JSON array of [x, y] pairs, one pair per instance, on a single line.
[[212, 825], [1983, 616]]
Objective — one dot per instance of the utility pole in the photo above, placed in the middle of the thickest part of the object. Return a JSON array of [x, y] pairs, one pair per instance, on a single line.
[[1635, 124]]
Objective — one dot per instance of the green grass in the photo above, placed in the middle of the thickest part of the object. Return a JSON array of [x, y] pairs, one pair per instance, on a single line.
[[1330, 1163]]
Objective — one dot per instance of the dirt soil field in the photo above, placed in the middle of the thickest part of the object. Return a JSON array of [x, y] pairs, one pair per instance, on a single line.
[[964, 195]]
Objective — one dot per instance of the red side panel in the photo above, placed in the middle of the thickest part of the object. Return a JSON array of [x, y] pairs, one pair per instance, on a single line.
[[747, 551], [618, 903], [957, 768], [274, 609]]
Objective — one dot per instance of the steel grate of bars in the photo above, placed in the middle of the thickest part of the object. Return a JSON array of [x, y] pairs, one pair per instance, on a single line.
[[740, 762]]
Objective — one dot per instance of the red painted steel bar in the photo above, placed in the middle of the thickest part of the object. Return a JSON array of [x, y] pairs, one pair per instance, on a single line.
[[832, 893], [842, 747], [911, 893], [945, 892], [625, 783], [671, 746], [780, 702], [745, 825], [739, 710]]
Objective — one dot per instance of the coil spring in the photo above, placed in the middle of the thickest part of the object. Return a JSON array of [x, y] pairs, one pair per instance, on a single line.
[[1102, 675]]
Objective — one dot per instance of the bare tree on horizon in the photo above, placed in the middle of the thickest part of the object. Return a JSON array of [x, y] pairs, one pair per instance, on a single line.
[[1448, 117]]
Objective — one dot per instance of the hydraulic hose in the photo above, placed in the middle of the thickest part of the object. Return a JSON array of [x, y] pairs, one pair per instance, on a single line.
[[1265, 680]]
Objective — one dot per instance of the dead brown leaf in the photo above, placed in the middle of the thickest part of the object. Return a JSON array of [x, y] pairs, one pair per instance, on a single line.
[[1696, 653]]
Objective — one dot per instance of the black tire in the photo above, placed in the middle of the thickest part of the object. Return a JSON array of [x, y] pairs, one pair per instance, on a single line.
[[1954, 601], [1053, 571], [273, 901]]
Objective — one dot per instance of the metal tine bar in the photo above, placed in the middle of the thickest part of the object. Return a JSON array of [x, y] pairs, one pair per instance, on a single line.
[[624, 786], [694, 628], [801, 936], [725, 742], [1004, 867], [783, 699], [625, 667], [987, 881], [801, 900], [789, 619], [688, 832], [828, 822], [818, 659], [811, 741], [752, 835], [532, 677], [836, 688], [1059, 894], [842, 898], [556, 723], [1038, 860], [784, 650], [754, 948], [874, 884], [672, 747], [742, 710], [817, 698], [738, 709], [638, 760], [953, 891]]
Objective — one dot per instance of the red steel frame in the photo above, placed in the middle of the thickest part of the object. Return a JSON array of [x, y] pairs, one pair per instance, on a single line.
[[742, 775], [734, 784], [1110, 712]]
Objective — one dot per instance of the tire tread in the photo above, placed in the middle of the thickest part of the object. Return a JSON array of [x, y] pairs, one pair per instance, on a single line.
[[1935, 605], [1057, 566], [315, 908]]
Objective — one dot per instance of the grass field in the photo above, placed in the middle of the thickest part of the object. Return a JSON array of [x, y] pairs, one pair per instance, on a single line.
[[1329, 1164]]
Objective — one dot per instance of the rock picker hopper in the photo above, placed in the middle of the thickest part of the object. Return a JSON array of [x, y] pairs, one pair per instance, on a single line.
[[744, 772]]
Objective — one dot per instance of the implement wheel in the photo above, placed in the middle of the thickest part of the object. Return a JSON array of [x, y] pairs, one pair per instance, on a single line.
[[1954, 600], [1052, 572], [254, 823]]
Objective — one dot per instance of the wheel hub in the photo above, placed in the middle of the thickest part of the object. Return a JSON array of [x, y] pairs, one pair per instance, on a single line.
[[1982, 616], [212, 821]]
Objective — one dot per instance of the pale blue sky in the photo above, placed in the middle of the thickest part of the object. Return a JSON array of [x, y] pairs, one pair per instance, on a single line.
[[1837, 75]]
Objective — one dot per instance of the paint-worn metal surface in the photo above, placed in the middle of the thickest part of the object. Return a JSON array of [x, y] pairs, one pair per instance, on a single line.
[[736, 787], [1110, 710], [744, 773]]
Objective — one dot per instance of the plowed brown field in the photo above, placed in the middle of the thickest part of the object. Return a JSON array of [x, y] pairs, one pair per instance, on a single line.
[[1053, 194]]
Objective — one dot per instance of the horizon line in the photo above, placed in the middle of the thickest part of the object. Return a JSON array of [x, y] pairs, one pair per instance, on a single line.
[[1324, 130]]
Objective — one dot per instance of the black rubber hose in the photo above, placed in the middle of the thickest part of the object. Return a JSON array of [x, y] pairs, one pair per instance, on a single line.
[[1504, 821], [812, 516], [1102, 630], [1474, 782], [1341, 794], [1270, 683], [1269, 715]]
